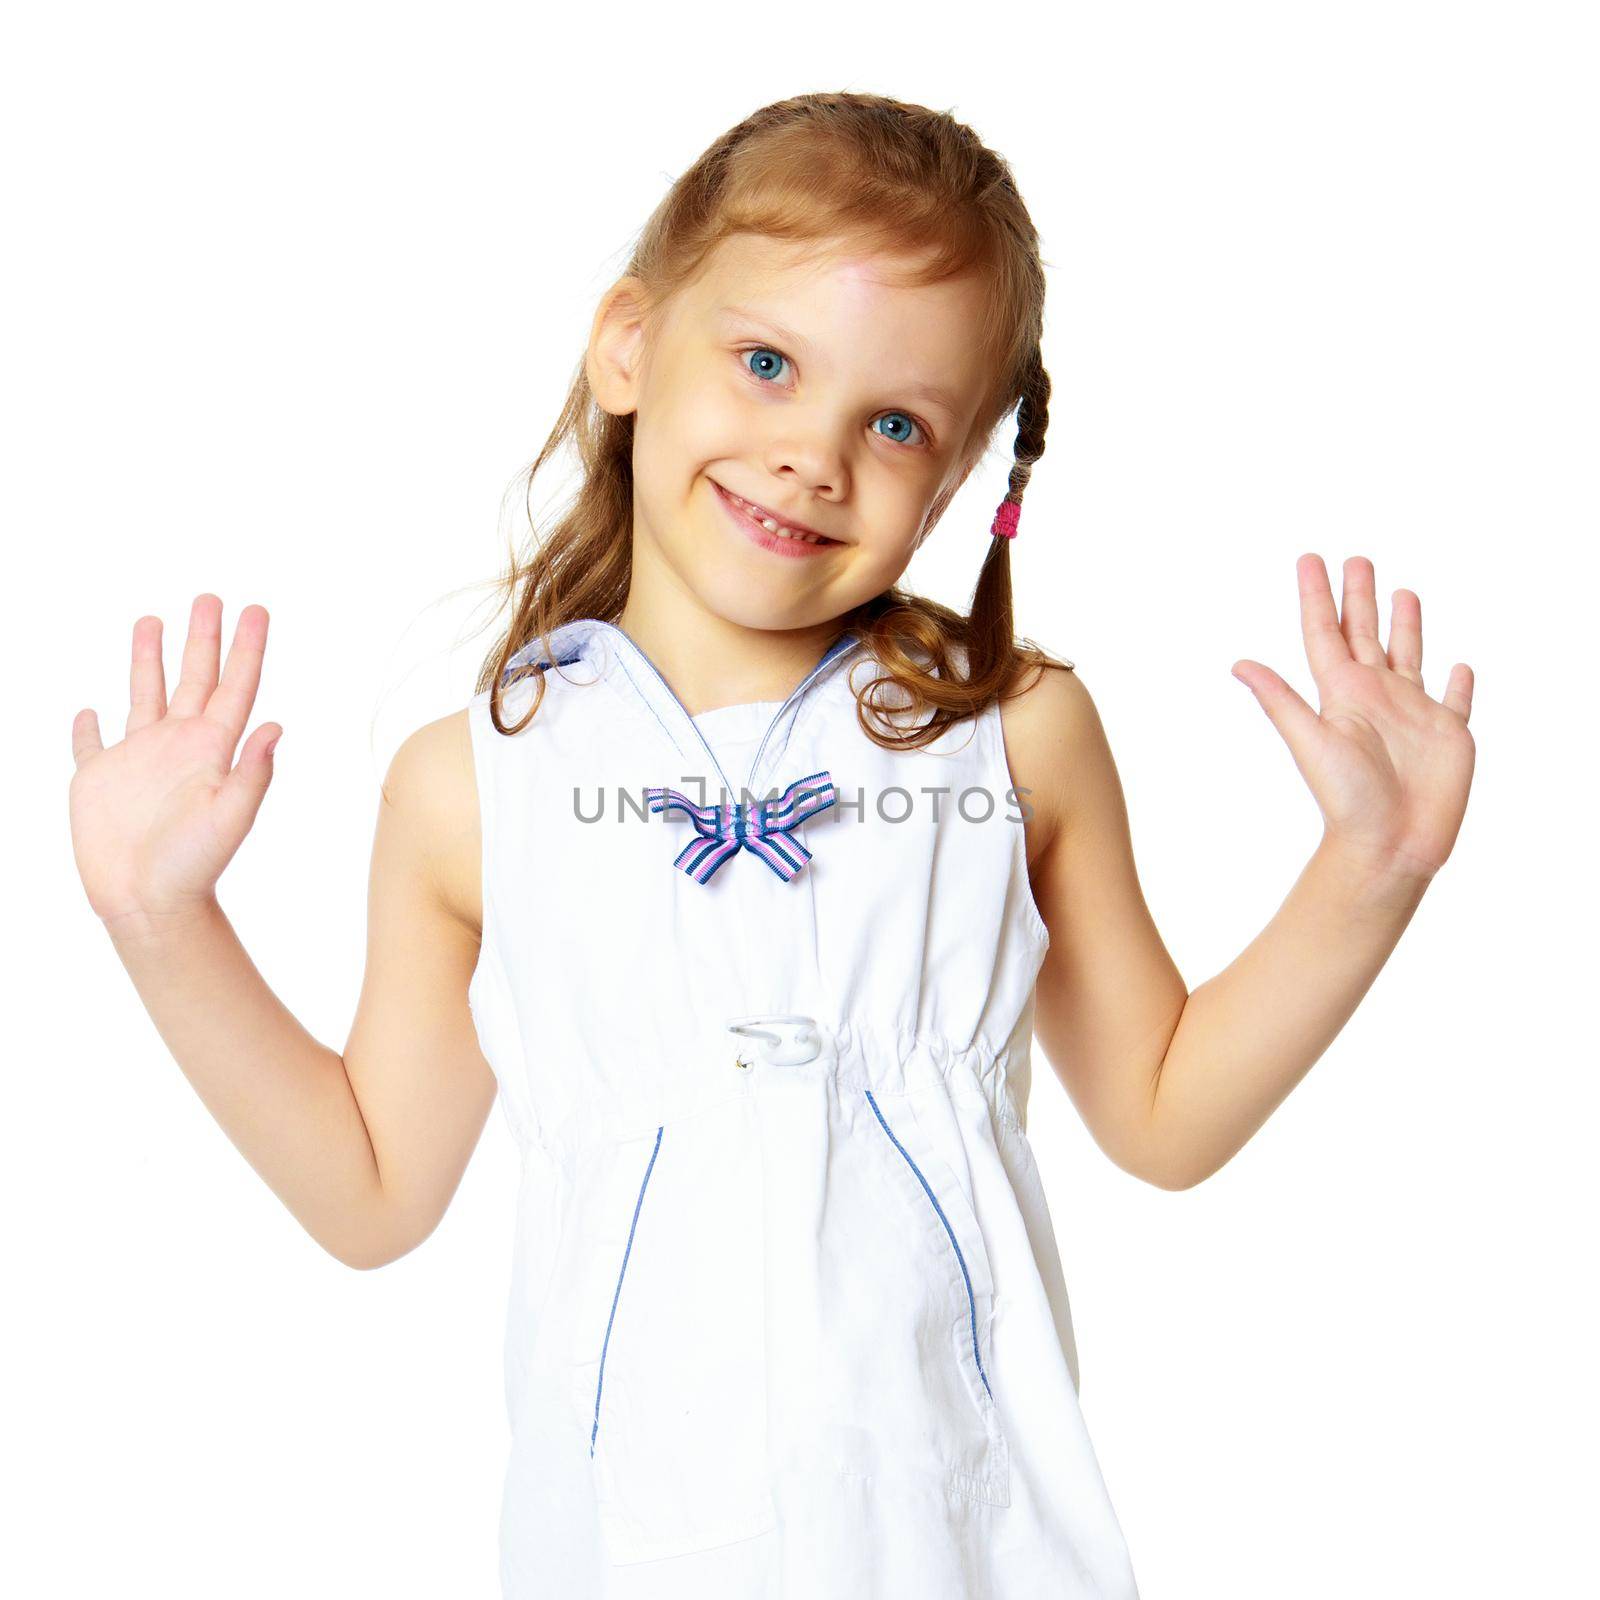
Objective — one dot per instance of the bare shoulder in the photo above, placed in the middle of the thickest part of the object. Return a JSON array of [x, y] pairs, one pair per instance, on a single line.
[[431, 793], [1056, 749]]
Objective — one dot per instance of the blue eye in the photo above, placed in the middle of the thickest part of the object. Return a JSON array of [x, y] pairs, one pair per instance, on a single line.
[[769, 363], [907, 421], [767, 354]]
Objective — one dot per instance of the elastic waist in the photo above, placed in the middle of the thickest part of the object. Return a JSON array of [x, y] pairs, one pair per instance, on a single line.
[[725, 1059]]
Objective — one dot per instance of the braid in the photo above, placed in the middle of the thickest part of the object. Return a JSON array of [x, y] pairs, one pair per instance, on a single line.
[[1033, 417]]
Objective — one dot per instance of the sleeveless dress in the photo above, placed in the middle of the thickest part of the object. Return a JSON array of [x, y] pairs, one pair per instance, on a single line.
[[788, 1317]]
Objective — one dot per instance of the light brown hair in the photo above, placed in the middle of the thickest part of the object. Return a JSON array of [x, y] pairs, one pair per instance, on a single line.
[[896, 178]]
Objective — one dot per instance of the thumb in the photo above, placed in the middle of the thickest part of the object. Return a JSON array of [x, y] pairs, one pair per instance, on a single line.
[[1288, 713], [243, 790]]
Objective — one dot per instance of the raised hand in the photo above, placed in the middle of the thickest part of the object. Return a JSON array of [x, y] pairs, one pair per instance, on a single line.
[[1389, 766], [157, 817]]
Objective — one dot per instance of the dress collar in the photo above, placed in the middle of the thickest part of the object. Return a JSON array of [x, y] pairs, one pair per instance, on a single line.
[[601, 650]]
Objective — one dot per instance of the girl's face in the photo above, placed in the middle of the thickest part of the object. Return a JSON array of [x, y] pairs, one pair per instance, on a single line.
[[820, 391]]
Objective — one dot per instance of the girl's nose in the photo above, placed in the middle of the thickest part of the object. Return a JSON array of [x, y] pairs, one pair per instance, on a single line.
[[781, 1039]]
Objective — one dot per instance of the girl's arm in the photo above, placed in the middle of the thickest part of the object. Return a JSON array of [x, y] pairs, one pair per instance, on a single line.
[[1172, 1084], [364, 1148]]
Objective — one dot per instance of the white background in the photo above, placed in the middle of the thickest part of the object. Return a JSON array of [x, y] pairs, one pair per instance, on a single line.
[[295, 292]]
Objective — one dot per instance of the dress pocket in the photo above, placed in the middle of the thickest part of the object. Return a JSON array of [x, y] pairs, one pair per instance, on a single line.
[[668, 1366], [951, 1289]]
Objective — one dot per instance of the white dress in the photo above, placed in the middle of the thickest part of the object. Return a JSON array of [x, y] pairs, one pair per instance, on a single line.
[[787, 1317]]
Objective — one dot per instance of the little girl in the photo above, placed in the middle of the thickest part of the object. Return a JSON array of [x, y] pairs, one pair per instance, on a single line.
[[724, 883]]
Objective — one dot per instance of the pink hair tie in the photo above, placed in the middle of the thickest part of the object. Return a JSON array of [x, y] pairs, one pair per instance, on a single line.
[[1004, 525]]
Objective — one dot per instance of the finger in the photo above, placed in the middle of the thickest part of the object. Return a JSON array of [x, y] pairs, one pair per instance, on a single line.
[[243, 790], [200, 652], [1458, 692], [1361, 612], [1326, 645], [85, 737], [233, 697], [147, 682], [1288, 713], [1405, 634]]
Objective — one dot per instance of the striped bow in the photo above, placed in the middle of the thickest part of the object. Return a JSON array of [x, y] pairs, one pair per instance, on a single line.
[[763, 827]]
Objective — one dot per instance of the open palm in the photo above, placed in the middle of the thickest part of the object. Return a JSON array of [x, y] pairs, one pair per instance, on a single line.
[[156, 817], [1389, 766]]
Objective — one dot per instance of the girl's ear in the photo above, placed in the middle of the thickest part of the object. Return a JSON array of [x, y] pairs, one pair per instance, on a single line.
[[616, 347]]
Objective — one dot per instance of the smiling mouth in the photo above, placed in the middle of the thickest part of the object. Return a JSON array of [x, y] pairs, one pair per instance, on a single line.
[[764, 519]]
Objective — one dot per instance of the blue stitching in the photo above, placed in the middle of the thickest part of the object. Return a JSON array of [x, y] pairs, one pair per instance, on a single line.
[[538, 666], [972, 1307], [600, 1382], [660, 722]]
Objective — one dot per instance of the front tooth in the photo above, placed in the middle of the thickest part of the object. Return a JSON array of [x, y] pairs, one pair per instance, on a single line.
[[774, 527]]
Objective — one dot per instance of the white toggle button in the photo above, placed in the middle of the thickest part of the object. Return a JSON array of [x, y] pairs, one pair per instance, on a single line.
[[782, 1040]]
